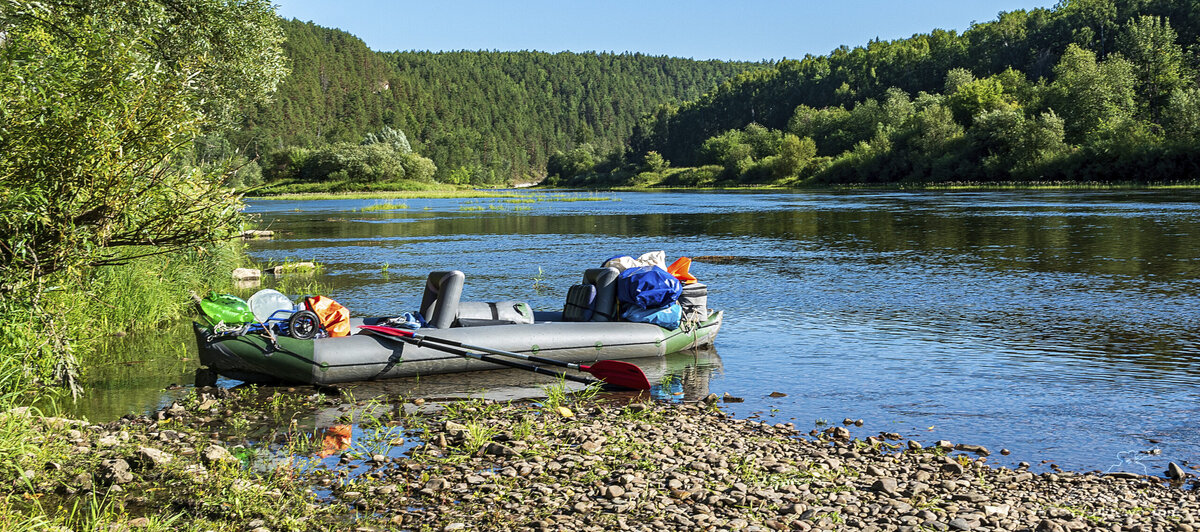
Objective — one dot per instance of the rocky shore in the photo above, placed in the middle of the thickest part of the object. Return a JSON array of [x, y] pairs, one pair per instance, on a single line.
[[568, 463]]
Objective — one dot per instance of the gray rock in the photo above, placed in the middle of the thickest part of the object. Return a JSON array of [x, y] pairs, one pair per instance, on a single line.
[[952, 468], [614, 491], [1175, 472], [977, 449], [149, 457], [838, 433], [885, 485], [215, 454], [436, 484], [115, 471], [83, 481], [999, 510], [246, 274], [499, 449], [970, 497]]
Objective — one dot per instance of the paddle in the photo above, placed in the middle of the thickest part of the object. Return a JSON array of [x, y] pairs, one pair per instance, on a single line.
[[612, 372]]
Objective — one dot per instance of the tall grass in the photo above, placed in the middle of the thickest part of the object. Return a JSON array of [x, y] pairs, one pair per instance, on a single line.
[[149, 291], [42, 331]]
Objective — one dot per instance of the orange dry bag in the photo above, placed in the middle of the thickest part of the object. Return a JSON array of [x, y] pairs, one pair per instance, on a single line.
[[334, 317], [679, 269]]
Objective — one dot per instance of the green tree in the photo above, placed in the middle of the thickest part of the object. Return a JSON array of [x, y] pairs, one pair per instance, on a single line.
[[1181, 118], [1091, 96], [795, 154], [1149, 43], [1093, 23], [654, 162], [1014, 144], [101, 102], [391, 137], [973, 98]]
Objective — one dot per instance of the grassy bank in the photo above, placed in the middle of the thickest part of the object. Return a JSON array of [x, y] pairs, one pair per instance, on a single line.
[[710, 178], [508, 195], [335, 187]]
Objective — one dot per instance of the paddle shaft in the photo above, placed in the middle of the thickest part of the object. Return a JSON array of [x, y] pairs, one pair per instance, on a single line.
[[531, 358], [420, 342], [613, 372]]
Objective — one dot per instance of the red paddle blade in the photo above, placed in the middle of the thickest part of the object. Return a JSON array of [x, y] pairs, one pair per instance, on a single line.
[[390, 331], [619, 373]]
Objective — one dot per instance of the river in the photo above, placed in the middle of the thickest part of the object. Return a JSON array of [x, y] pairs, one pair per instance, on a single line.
[[1061, 325]]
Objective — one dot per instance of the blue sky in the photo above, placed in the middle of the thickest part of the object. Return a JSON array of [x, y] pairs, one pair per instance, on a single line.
[[700, 29]]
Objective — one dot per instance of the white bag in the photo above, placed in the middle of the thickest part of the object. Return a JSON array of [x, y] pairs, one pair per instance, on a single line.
[[624, 262], [267, 302]]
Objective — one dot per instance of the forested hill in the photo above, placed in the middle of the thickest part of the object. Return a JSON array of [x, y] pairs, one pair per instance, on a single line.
[[482, 117], [1089, 90]]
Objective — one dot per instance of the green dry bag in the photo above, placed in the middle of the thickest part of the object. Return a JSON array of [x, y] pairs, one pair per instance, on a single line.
[[225, 308]]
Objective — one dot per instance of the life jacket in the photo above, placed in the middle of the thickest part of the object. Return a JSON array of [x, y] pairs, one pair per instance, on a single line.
[[335, 318]]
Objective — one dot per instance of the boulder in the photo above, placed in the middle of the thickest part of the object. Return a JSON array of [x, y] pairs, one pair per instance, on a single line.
[[115, 471], [246, 274], [214, 454]]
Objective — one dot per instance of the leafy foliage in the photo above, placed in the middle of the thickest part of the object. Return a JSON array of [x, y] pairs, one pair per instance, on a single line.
[[1030, 95], [101, 106], [481, 117]]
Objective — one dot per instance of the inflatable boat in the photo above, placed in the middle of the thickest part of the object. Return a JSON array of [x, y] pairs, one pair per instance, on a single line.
[[264, 357]]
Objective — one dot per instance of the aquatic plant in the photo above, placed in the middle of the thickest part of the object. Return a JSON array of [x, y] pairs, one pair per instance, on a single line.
[[387, 206]]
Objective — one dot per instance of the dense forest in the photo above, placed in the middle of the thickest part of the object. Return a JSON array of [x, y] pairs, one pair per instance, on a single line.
[[481, 117], [1091, 90]]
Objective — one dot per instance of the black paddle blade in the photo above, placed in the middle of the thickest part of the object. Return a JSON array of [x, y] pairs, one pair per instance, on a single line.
[[618, 373]]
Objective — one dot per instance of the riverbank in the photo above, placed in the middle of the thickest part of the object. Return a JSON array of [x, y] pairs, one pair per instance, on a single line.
[[566, 463]]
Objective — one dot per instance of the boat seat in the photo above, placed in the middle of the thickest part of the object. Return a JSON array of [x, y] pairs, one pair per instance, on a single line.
[[443, 291], [604, 307], [478, 313]]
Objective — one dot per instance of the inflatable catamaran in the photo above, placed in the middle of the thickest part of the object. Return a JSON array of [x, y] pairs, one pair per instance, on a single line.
[[589, 329]]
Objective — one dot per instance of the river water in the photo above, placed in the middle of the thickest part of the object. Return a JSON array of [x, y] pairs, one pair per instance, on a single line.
[[1061, 325]]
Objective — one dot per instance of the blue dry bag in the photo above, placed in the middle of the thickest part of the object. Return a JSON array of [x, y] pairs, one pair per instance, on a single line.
[[666, 317], [648, 287]]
